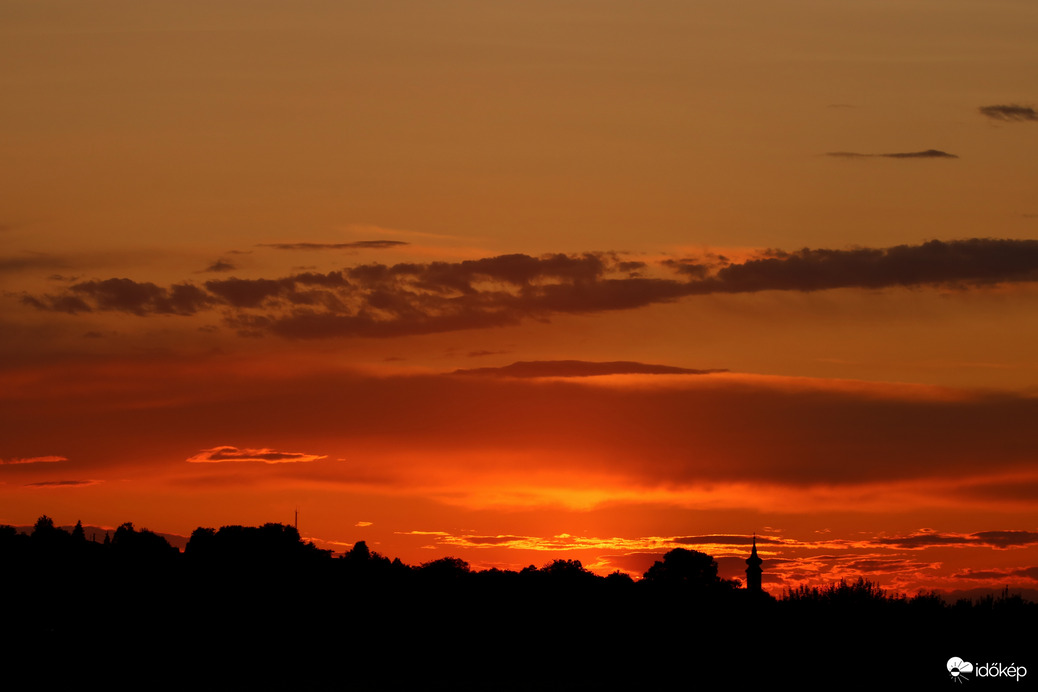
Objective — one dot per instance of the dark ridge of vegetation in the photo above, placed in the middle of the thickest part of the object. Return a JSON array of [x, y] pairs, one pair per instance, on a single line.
[[242, 591]]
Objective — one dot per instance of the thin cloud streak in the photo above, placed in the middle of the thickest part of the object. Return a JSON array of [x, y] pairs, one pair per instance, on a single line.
[[268, 456], [220, 266], [355, 245], [1030, 573], [579, 368], [928, 154], [31, 262], [32, 460], [62, 484], [1010, 113]]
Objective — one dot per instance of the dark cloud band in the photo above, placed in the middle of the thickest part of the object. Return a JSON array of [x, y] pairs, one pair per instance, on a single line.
[[379, 300]]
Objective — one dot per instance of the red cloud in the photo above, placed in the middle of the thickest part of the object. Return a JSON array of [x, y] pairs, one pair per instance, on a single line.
[[267, 456], [33, 460], [62, 484]]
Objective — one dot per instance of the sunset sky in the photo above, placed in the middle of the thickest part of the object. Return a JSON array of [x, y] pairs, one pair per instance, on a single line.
[[763, 267]]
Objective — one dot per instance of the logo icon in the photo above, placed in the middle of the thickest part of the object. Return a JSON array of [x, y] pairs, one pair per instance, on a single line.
[[958, 668]]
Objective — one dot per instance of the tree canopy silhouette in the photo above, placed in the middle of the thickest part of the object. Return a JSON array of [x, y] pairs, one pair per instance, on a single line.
[[687, 569], [268, 544], [142, 546]]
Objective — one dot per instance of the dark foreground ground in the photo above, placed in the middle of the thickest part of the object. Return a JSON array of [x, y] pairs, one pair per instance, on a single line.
[[297, 619], [267, 629]]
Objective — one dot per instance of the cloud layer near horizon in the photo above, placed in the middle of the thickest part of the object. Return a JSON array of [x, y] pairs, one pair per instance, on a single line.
[[644, 439], [416, 298], [629, 431]]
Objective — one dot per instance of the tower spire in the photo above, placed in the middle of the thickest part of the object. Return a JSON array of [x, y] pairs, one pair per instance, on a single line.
[[753, 569]]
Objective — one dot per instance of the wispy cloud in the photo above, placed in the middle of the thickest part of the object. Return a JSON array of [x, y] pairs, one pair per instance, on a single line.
[[484, 352], [33, 460], [1010, 113], [998, 574], [579, 368], [31, 262], [62, 484], [267, 456], [729, 540], [220, 265], [355, 245], [928, 154]]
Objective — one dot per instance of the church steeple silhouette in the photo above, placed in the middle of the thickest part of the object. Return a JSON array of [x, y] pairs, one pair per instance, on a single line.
[[753, 570]]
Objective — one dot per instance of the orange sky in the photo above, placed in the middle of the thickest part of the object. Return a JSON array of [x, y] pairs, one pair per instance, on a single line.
[[245, 247]]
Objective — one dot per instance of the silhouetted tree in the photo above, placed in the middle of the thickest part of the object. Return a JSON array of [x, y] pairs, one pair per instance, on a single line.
[[49, 538], [270, 545], [862, 591], [43, 525], [44, 530], [567, 574], [565, 568], [13, 544], [687, 569], [619, 579], [141, 546], [202, 544], [282, 539], [359, 552], [445, 569]]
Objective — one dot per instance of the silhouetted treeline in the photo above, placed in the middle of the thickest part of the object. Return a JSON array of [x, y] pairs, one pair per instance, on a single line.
[[259, 603]]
